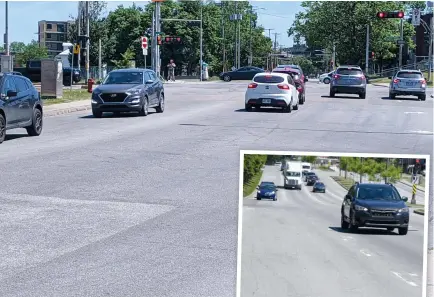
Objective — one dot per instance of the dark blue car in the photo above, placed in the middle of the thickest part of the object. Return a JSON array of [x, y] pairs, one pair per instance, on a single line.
[[319, 187], [267, 190]]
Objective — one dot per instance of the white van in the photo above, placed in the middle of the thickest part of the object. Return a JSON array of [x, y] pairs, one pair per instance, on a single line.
[[293, 175], [307, 167]]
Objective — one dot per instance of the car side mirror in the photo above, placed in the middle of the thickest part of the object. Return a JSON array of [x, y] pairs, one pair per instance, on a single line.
[[11, 94], [405, 199], [257, 188], [148, 82]]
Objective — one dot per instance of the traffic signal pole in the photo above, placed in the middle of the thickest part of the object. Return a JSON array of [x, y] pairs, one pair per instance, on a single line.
[[367, 50], [401, 29]]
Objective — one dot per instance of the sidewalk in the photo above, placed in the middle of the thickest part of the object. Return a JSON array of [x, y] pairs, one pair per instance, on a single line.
[[385, 85], [65, 108]]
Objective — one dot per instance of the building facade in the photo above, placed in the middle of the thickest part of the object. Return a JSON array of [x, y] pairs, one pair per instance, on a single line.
[[51, 34], [422, 45]]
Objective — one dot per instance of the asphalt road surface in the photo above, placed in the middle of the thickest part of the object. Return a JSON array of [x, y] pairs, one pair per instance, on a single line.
[[148, 206], [295, 247]]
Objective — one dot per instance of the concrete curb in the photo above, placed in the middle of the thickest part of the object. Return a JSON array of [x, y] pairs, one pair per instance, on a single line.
[[66, 110], [379, 85], [410, 185], [419, 211]]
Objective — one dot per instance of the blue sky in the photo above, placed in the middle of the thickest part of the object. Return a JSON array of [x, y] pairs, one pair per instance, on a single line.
[[24, 16]]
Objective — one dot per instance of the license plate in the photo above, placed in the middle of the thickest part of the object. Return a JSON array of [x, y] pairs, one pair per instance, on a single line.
[[266, 101], [409, 84]]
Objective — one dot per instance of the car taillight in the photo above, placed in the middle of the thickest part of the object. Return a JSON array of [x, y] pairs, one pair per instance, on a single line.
[[336, 76], [362, 77], [283, 87], [252, 86], [395, 81], [300, 89], [423, 82]]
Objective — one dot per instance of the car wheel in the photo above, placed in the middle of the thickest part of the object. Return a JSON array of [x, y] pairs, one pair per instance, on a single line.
[[295, 107], [161, 105], [391, 96], [2, 128], [275, 198], [226, 78], [248, 107], [145, 108], [352, 226], [344, 224], [422, 97], [301, 100], [362, 95], [390, 229], [288, 109], [326, 81], [35, 129], [403, 231], [96, 113], [332, 94], [258, 198]]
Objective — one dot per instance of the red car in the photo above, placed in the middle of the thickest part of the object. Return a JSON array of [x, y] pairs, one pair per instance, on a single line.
[[298, 79]]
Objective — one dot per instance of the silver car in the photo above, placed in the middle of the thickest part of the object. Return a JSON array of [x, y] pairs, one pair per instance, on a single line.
[[348, 80], [408, 82]]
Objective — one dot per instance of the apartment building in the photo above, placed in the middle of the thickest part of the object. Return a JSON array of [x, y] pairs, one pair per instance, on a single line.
[[52, 34]]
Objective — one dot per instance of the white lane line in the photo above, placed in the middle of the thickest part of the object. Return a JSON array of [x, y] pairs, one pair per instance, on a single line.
[[413, 274], [398, 275], [414, 112], [304, 189], [347, 238], [421, 132], [366, 253]]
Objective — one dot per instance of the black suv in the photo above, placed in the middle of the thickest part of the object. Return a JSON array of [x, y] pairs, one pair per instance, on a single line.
[[128, 90], [375, 205], [20, 105]]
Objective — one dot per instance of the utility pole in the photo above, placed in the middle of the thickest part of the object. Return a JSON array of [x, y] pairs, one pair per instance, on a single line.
[[6, 36], [334, 56], [367, 50], [269, 32], [201, 41], [99, 60], [401, 29], [250, 39], [153, 43], [87, 40], [222, 3], [79, 33], [158, 29], [239, 40], [236, 36], [431, 45], [275, 49]]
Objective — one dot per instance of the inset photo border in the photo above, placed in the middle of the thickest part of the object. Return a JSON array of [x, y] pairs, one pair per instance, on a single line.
[[316, 224]]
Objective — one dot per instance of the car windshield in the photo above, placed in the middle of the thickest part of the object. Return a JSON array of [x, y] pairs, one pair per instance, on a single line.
[[378, 193], [306, 167], [310, 173], [269, 79], [349, 71], [292, 173], [409, 75], [121, 77], [267, 187], [319, 184]]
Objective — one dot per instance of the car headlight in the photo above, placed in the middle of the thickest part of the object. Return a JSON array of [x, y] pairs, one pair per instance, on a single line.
[[134, 92], [94, 101], [403, 210], [361, 208], [259, 192], [272, 193]]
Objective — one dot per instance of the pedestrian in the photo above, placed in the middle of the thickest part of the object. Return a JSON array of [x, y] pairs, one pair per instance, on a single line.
[[171, 70]]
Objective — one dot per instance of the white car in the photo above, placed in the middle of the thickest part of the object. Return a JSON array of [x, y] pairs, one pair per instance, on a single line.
[[276, 90], [326, 77]]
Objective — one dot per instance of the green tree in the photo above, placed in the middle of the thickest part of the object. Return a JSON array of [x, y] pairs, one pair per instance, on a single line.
[[344, 164], [31, 51], [252, 166], [309, 159], [126, 59], [17, 47], [347, 30], [305, 64]]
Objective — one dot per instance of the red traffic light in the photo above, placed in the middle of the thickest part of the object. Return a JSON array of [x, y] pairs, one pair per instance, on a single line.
[[178, 39], [381, 15], [400, 14], [390, 14], [417, 160], [168, 39]]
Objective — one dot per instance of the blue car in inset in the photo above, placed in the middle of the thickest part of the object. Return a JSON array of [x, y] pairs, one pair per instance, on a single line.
[[267, 190]]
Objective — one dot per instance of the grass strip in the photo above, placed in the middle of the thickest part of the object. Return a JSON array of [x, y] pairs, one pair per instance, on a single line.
[[345, 183], [250, 186], [68, 96], [325, 168]]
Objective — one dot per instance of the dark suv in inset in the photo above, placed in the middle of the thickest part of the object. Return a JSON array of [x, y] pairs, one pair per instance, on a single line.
[[129, 90], [20, 105], [375, 205]]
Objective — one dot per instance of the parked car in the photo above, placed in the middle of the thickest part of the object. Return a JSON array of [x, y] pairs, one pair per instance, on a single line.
[[243, 73], [275, 90], [408, 82], [20, 105], [129, 90], [348, 80], [32, 71], [299, 82], [375, 206]]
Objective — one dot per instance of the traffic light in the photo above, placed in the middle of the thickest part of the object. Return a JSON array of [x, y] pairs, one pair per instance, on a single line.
[[390, 14], [159, 41], [172, 40]]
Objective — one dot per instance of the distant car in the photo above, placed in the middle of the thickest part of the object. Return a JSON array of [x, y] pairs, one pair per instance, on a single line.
[[275, 90], [303, 77], [299, 83], [326, 78], [20, 105], [129, 90], [375, 205], [348, 80], [408, 82], [307, 174], [311, 180], [267, 190], [243, 73], [319, 187]]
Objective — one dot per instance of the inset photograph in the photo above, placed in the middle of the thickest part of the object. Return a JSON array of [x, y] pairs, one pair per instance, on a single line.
[[323, 224]]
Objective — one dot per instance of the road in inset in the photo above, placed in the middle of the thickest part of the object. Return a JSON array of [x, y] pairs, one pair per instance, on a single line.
[[294, 247]]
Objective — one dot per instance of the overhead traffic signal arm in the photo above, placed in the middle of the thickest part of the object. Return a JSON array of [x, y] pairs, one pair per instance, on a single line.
[[390, 14]]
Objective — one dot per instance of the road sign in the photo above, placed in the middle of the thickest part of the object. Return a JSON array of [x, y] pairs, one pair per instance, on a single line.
[[145, 52], [76, 49], [415, 19], [400, 42], [144, 43]]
